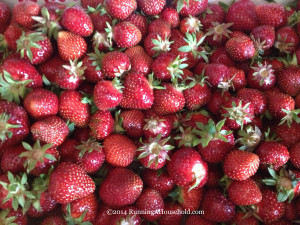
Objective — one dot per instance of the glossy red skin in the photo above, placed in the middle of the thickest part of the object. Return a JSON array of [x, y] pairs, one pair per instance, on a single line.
[[190, 199], [256, 97], [160, 66], [51, 68], [114, 61], [240, 48], [140, 21], [50, 130], [88, 203], [272, 153], [217, 100], [221, 56], [163, 126], [5, 15], [47, 204], [91, 73], [216, 74], [288, 80], [191, 120], [290, 212], [126, 34], [242, 219], [174, 217], [67, 80], [91, 3], [160, 27], [197, 219], [254, 81], [102, 216], [264, 33], [171, 16], [278, 19], [242, 15], [139, 59], [101, 124], [133, 122], [41, 103], [194, 8], [54, 220], [180, 168], [23, 11], [237, 78], [21, 69], [135, 219], [295, 155], [145, 161], [217, 208], [18, 116], [120, 188], [163, 183], [11, 161], [137, 92], [151, 8], [12, 33], [217, 15], [269, 209], [150, 199], [287, 35], [67, 150], [288, 135], [99, 21], [120, 9]]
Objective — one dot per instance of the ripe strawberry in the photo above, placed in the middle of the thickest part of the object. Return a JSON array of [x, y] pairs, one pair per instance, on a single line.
[[115, 64], [120, 9], [171, 16], [289, 135], [244, 192], [214, 13], [140, 21], [242, 218], [132, 121], [151, 200], [137, 92], [50, 130], [288, 80], [242, 15], [120, 188], [90, 3], [294, 155], [154, 44], [54, 220], [277, 11], [174, 217], [23, 11], [11, 216], [151, 8], [101, 124], [269, 209], [41, 103], [43, 203], [256, 97], [286, 40], [156, 125], [160, 27], [240, 165], [263, 37], [221, 56], [240, 48], [216, 74], [217, 100], [5, 17], [99, 17], [11, 161], [70, 46], [51, 68], [188, 199], [92, 61], [67, 150], [69, 182], [236, 81], [129, 215], [187, 168], [140, 61], [190, 7], [12, 33], [77, 21], [197, 219], [217, 207]]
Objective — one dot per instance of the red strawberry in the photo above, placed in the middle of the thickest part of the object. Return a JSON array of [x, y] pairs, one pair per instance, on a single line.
[[215, 173], [242, 218], [217, 100], [137, 92], [216, 74], [214, 13], [295, 156], [151, 8], [41, 103], [221, 56], [277, 11], [132, 121], [188, 199], [54, 220], [217, 207], [52, 130], [269, 209], [129, 215], [92, 61], [91, 3], [156, 125], [120, 9], [51, 68], [289, 135], [5, 16], [101, 124], [67, 150], [240, 165], [174, 218], [154, 44], [140, 21], [15, 124], [119, 150], [77, 21], [286, 40], [115, 64], [12, 216], [70, 46], [244, 192], [11, 161], [187, 168], [171, 16], [151, 200], [160, 27], [288, 80], [256, 97], [196, 219], [242, 15], [23, 11], [12, 33], [99, 18], [120, 188], [263, 37], [72, 109], [191, 7]]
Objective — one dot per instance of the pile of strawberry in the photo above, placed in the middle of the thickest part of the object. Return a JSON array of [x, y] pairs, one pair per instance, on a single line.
[[149, 105]]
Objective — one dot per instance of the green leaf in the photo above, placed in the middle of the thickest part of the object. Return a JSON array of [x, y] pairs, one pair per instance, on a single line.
[[50, 157], [185, 48]]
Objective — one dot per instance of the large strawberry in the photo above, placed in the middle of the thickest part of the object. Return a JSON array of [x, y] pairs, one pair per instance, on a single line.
[[120, 9], [23, 11], [132, 121], [69, 182], [101, 124], [151, 8], [278, 12]]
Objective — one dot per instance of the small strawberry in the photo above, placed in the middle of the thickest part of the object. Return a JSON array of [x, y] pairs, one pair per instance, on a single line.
[[115, 64], [101, 124], [191, 7], [151, 8], [77, 21], [70, 46], [9, 39], [23, 11], [174, 218], [190, 24], [171, 16], [289, 135], [140, 21], [263, 37], [216, 74], [13, 217], [217, 100], [120, 9], [133, 122], [99, 17], [51, 68], [277, 11], [54, 220], [69, 182], [120, 188], [240, 165], [286, 40], [50, 130], [10, 160], [91, 3], [93, 61]]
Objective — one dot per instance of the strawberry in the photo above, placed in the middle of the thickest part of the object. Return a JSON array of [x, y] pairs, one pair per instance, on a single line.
[[11, 161], [50, 130], [188, 199], [242, 218], [288, 80], [190, 7], [278, 19], [242, 15], [171, 16], [256, 97], [221, 56], [215, 173], [72, 109], [244, 192], [139, 59], [11, 216], [92, 61], [129, 215], [120, 188], [101, 124], [53, 220], [120, 9], [132, 121], [154, 44], [150, 200], [152, 8], [137, 92], [272, 153], [44, 203], [213, 13], [182, 170], [23, 11], [218, 34], [217, 207], [87, 206], [158, 181], [66, 42], [174, 217], [240, 165], [263, 37], [216, 74], [237, 79], [140, 21], [41, 103], [217, 100], [119, 150], [156, 125], [196, 219], [51, 68], [99, 17], [67, 150], [69, 182], [240, 48], [286, 40], [269, 209], [160, 27], [9, 39], [294, 155], [190, 24], [289, 135], [91, 3], [77, 21], [5, 16], [115, 64]]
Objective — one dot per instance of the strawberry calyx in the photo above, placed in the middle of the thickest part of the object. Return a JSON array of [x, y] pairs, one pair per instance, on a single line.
[[249, 137], [156, 148], [99, 9], [5, 220], [155, 124], [285, 183], [101, 38], [88, 146], [210, 131], [78, 221], [224, 182], [264, 73], [180, 4], [218, 30], [12, 90], [128, 220], [193, 23], [282, 45], [161, 45], [96, 57], [175, 68], [186, 138], [27, 41], [109, 31], [45, 25], [5, 127], [290, 117], [3, 46], [35, 154], [294, 19], [17, 188], [76, 69], [154, 84], [118, 123]]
